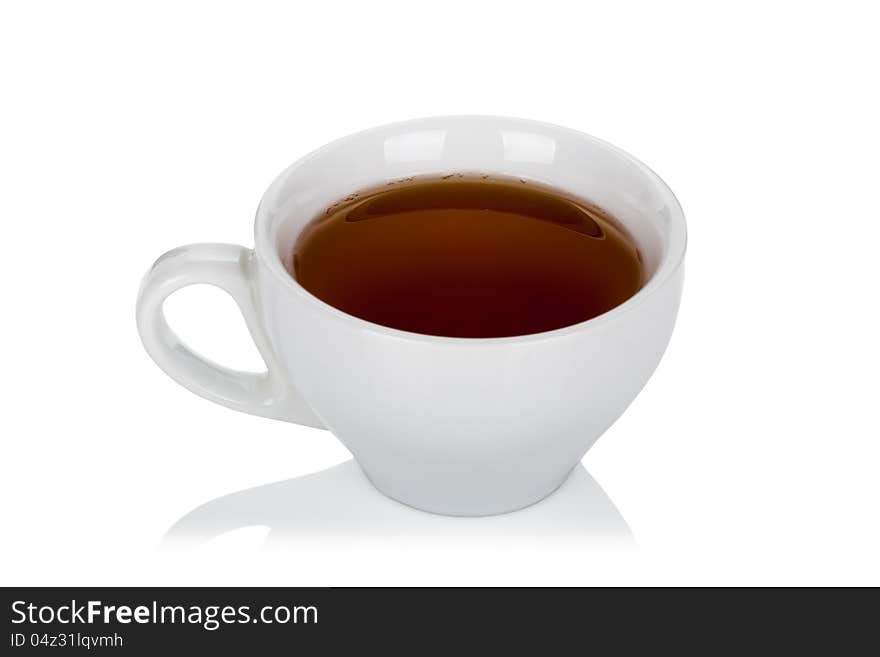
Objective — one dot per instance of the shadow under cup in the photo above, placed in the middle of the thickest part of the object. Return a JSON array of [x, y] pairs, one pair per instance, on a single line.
[[482, 425]]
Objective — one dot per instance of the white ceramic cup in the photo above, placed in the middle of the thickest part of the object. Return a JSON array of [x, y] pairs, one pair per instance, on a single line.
[[460, 426]]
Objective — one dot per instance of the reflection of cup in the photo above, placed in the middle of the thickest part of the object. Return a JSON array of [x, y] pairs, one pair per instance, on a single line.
[[451, 425], [338, 508]]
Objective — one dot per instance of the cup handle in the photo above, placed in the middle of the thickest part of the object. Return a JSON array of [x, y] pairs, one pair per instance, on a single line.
[[230, 268]]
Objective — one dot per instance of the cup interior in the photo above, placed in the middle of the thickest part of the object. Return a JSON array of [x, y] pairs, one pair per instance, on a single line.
[[575, 163]]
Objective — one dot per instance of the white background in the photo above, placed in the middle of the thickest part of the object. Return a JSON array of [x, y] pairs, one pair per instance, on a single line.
[[129, 128]]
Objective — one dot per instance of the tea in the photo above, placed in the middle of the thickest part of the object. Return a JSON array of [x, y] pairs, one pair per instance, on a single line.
[[468, 257]]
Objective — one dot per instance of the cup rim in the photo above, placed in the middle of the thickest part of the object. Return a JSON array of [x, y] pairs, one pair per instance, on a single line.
[[671, 260]]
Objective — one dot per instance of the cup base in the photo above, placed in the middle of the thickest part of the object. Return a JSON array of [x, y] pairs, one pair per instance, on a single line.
[[474, 508]]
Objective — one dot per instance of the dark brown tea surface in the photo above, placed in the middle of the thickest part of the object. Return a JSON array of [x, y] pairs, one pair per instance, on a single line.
[[467, 257]]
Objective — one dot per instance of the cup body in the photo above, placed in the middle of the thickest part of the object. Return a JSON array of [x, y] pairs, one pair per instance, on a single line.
[[467, 426]]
